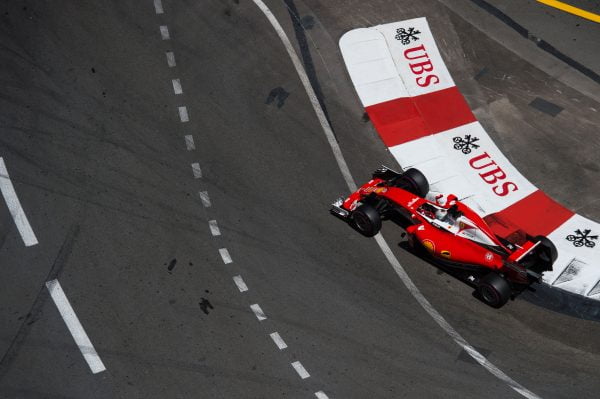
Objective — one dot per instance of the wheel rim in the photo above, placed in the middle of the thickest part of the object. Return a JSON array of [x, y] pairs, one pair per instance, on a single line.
[[488, 294], [362, 222]]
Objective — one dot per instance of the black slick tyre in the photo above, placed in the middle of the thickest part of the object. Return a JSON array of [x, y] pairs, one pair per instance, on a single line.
[[547, 250], [494, 290], [366, 220], [414, 181]]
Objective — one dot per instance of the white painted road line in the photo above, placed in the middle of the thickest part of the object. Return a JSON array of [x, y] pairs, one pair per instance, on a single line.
[[214, 228], [204, 198], [239, 281], [177, 86], [183, 114], [225, 255], [81, 339], [321, 395], [300, 370], [278, 340], [15, 208], [189, 142], [196, 170], [170, 59], [158, 6], [258, 312], [343, 166], [164, 32]]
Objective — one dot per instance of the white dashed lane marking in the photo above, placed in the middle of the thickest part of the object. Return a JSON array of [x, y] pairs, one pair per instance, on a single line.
[[258, 312], [170, 59], [214, 228], [225, 256], [189, 142], [164, 32], [158, 6], [321, 395], [177, 86], [300, 370], [278, 340], [15, 208], [205, 198], [183, 114], [239, 281], [196, 170], [81, 339]]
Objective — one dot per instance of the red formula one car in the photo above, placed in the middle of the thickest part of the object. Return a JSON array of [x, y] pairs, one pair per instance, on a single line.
[[449, 233]]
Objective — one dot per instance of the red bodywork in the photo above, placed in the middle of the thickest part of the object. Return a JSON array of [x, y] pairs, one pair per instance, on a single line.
[[452, 245]]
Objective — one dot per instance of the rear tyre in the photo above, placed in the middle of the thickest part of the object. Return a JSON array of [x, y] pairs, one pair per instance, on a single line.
[[494, 290], [413, 181], [366, 220], [547, 247]]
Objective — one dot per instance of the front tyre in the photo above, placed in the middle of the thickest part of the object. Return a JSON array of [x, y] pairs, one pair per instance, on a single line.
[[494, 290], [414, 181], [366, 220]]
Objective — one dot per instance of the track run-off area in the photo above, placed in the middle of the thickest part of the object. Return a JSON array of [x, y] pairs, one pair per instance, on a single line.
[[167, 171]]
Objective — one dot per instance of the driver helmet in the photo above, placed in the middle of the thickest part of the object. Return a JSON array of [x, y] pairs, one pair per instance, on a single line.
[[441, 214]]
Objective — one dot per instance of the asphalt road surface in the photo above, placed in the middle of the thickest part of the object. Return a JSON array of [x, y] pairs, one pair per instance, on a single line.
[[94, 140]]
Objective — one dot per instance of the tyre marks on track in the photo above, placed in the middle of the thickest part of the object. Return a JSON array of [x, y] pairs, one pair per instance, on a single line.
[[206, 203]]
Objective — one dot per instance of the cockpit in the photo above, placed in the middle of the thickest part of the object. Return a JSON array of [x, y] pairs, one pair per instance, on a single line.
[[452, 220]]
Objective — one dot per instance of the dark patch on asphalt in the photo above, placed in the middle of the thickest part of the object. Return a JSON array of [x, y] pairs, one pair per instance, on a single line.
[[93, 70], [278, 94], [307, 22], [463, 356], [546, 106], [307, 60], [365, 117], [481, 73], [172, 265], [227, 12], [205, 305], [541, 43], [38, 304]]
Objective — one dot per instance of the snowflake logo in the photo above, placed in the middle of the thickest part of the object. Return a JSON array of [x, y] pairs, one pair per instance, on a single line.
[[465, 145], [581, 238], [405, 36]]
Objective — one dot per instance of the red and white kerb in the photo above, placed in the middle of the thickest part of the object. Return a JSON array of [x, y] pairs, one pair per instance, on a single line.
[[421, 116]]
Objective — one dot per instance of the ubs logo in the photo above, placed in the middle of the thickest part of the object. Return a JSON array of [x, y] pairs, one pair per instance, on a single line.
[[490, 172], [421, 66]]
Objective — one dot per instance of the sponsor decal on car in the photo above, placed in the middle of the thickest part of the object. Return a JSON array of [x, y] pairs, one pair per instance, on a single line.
[[489, 257], [429, 245], [446, 254]]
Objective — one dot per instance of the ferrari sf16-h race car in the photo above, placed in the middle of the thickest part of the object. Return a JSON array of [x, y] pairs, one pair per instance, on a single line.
[[449, 233]]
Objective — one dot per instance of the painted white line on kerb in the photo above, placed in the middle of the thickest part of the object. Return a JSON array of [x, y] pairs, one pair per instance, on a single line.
[[164, 32], [300, 370], [225, 256], [214, 228], [258, 312], [196, 170], [205, 198], [170, 59], [183, 114], [321, 395], [342, 165], [239, 281], [177, 86], [189, 142], [15, 208], [158, 6], [278, 340], [81, 339]]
